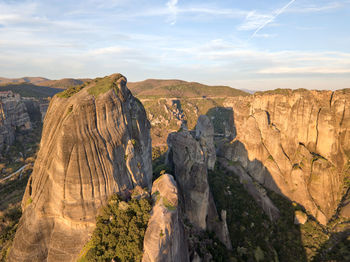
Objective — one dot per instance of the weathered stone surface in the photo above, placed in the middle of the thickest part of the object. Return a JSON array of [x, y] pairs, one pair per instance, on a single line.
[[164, 238], [205, 135], [13, 115], [296, 144], [91, 147], [189, 158], [300, 217]]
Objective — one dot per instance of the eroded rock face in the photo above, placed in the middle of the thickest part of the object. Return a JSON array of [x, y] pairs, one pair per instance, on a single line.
[[191, 156], [13, 115], [296, 144], [93, 144], [164, 238], [205, 135]]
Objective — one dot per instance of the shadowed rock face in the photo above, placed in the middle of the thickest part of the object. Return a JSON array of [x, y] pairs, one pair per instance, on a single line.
[[13, 114], [191, 156], [296, 144], [164, 238], [92, 146]]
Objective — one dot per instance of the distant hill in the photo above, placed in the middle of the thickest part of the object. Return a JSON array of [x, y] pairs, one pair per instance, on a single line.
[[41, 81], [30, 90], [63, 83], [32, 80], [179, 88]]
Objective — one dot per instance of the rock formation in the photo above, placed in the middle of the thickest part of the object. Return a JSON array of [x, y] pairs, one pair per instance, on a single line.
[[295, 143], [191, 156], [13, 115], [164, 238], [95, 142]]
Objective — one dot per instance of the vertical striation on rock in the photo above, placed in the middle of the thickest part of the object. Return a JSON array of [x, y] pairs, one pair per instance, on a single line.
[[295, 143], [95, 142], [165, 238], [191, 156]]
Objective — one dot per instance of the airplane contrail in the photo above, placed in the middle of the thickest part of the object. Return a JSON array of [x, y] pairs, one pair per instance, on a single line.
[[278, 12]]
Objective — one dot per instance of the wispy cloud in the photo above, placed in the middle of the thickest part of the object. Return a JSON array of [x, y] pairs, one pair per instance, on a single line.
[[316, 8], [172, 8], [273, 17], [304, 70]]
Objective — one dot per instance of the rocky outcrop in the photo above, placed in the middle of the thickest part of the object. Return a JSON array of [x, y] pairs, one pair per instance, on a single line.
[[95, 142], [190, 156], [205, 136], [13, 115], [295, 143], [164, 238]]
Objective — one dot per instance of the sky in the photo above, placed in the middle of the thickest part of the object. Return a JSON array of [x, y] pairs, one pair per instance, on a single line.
[[246, 44]]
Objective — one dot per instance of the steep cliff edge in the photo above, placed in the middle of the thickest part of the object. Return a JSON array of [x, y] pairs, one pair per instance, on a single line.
[[295, 143], [191, 155], [165, 238], [96, 142]]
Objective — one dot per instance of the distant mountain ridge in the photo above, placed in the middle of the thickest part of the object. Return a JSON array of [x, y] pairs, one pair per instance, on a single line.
[[26, 89], [42, 81], [180, 88]]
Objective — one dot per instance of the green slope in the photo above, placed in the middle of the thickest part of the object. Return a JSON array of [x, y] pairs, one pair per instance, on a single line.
[[180, 89], [30, 90]]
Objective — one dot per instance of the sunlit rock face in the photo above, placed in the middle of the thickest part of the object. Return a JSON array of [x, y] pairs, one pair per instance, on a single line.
[[95, 142], [165, 238], [296, 143]]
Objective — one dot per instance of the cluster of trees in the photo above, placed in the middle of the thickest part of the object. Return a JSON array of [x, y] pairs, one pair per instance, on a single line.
[[120, 231]]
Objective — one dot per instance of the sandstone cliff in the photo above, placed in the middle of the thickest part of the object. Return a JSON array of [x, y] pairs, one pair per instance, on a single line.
[[295, 143], [13, 115], [165, 238], [95, 142], [190, 157]]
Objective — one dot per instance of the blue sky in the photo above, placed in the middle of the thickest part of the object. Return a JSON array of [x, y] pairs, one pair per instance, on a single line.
[[249, 44]]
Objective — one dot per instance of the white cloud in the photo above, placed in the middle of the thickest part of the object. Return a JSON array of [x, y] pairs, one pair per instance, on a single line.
[[304, 70], [315, 8], [172, 8], [276, 13]]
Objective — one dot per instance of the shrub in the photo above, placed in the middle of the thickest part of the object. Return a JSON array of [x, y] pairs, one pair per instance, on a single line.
[[71, 91], [119, 231]]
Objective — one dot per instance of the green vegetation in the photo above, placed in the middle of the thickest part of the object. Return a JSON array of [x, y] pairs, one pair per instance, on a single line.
[[222, 119], [119, 231], [158, 162], [168, 205], [255, 237], [180, 89], [9, 222], [22, 152], [71, 91], [102, 85], [30, 90]]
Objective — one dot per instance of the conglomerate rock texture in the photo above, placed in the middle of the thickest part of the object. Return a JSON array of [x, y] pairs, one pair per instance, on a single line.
[[296, 143], [165, 238], [95, 142]]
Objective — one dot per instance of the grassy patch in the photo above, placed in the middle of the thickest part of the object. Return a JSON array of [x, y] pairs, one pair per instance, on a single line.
[[103, 85], [71, 91], [168, 205]]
